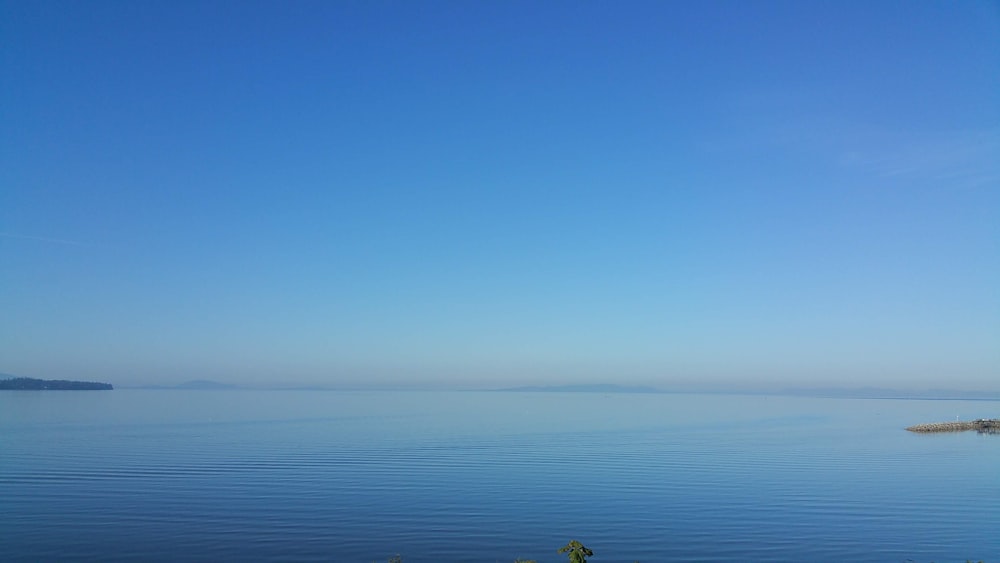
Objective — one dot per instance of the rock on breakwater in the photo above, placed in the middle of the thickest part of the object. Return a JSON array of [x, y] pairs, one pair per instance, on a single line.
[[988, 425]]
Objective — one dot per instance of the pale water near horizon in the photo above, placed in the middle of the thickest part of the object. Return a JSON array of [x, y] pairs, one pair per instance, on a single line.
[[144, 475]]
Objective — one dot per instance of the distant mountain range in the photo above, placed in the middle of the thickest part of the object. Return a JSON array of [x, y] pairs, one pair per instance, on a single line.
[[596, 388], [832, 392]]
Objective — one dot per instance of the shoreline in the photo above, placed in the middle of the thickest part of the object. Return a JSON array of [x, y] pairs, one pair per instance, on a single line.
[[982, 425]]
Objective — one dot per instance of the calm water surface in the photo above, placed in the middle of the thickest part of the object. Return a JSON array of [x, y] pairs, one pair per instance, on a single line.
[[138, 475]]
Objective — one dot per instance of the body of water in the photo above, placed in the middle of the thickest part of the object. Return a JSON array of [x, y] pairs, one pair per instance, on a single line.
[[144, 475]]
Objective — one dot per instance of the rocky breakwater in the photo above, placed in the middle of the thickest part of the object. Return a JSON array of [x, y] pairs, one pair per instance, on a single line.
[[983, 425]]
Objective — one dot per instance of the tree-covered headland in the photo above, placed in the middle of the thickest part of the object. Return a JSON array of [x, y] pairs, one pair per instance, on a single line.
[[30, 384]]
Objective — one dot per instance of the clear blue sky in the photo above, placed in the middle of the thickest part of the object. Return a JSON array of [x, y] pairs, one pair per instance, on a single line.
[[502, 193]]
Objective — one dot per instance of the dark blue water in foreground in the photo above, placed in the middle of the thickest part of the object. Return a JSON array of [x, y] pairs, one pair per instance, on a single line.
[[448, 477]]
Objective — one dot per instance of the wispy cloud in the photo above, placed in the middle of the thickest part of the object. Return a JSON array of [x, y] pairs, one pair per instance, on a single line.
[[788, 121], [44, 239], [958, 159], [961, 160]]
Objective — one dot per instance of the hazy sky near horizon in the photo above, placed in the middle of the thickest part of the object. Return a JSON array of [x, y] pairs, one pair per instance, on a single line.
[[493, 193]]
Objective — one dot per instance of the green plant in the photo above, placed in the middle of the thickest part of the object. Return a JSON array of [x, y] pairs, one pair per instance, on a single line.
[[576, 552]]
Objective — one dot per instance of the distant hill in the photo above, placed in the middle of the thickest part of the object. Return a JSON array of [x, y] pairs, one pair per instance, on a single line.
[[29, 384], [884, 393], [204, 384], [596, 388], [195, 384]]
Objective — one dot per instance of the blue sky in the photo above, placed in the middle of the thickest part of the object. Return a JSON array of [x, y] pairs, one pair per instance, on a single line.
[[473, 194]]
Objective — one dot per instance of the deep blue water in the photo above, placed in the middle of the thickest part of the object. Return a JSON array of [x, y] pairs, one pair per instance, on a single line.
[[137, 475]]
